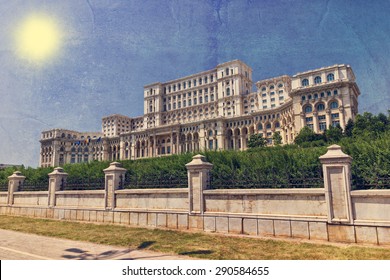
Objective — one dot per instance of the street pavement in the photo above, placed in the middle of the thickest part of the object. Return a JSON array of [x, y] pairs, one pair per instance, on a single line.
[[23, 246]]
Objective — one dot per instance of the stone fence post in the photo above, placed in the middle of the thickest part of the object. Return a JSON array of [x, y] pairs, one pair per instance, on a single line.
[[57, 179], [337, 179], [114, 176], [198, 177], [14, 182]]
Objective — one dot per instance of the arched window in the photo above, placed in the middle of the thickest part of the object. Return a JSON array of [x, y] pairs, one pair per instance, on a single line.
[[320, 107], [268, 126], [334, 105], [330, 77], [308, 109], [260, 127], [317, 80], [315, 96], [264, 89], [303, 98], [277, 125], [305, 82]]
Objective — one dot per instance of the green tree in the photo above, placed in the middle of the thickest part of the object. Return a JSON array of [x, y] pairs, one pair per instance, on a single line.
[[256, 140], [277, 138], [349, 128], [307, 135], [334, 134]]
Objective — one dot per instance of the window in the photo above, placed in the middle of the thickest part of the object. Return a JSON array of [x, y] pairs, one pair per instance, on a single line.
[[308, 109], [277, 125], [195, 101], [310, 119], [320, 107], [335, 92], [211, 78], [322, 117], [272, 99], [184, 103], [316, 96], [206, 99], [210, 144], [317, 80], [264, 89], [260, 127], [272, 87], [205, 80], [227, 71], [212, 97], [228, 91], [303, 98], [281, 97], [264, 100], [272, 93], [335, 116], [335, 123], [268, 126], [322, 126], [184, 85], [200, 100], [305, 82], [264, 95], [194, 83], [322, 94], [280, 85], [334, 105], [330, 77], [200, 81], [189, 102]]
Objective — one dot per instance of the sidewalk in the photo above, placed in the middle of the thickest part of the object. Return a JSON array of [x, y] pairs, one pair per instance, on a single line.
[[23, 246]]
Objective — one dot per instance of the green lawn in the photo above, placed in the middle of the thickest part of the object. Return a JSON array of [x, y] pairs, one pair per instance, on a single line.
[[200, 245]]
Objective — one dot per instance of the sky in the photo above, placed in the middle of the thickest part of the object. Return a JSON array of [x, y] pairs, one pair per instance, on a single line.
[[102, 52]]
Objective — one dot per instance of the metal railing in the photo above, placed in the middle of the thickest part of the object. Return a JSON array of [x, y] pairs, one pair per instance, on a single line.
[[40, 185], [359, 183], [240, 181], [155, 181], [3, 187], [73, 184]]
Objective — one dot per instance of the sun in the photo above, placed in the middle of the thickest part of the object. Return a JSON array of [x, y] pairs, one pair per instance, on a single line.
[[38, 38]]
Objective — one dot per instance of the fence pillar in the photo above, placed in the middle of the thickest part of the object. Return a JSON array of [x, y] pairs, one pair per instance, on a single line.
[[198, 177], [14, 182], [114, 176], [57, 179], [337, 179]]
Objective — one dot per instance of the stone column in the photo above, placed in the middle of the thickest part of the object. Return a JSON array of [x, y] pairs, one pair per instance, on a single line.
[[14, 182], [57, 179], [337, 179], [198, 177], [114, 176]]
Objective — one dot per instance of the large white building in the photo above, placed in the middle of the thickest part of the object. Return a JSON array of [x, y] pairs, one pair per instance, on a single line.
[[214, 110]]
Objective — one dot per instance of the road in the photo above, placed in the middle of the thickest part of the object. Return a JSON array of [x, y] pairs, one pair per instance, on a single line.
[[24, 246]]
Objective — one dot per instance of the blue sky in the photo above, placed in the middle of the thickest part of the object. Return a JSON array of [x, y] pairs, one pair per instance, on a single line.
[[111, 49]]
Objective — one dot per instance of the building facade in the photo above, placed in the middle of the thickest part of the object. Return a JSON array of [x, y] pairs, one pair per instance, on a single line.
[[213, 110]]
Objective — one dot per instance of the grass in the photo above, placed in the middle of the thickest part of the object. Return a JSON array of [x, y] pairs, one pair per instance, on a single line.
[[200, 245]]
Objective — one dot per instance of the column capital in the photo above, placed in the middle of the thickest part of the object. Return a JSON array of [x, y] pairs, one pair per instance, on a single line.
[[335, 155], [199, 162]]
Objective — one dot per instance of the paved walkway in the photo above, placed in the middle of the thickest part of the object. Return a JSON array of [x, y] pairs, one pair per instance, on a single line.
[[23, 246]]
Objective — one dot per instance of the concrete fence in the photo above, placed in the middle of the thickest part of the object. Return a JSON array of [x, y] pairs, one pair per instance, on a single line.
[[333, 213]]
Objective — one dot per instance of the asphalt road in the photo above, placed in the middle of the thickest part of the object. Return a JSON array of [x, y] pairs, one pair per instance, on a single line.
[[23, 246]]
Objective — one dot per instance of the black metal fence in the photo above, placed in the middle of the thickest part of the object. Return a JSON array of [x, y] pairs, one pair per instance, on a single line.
[[273, 181], [154, 181], [3, 187], [41, 185], [359, 183], [73, 184]]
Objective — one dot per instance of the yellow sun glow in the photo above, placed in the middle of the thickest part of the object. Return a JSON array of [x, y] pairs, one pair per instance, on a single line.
[[38, 38]]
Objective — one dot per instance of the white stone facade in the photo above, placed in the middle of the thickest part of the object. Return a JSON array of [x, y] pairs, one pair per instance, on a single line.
[[214, 110]]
